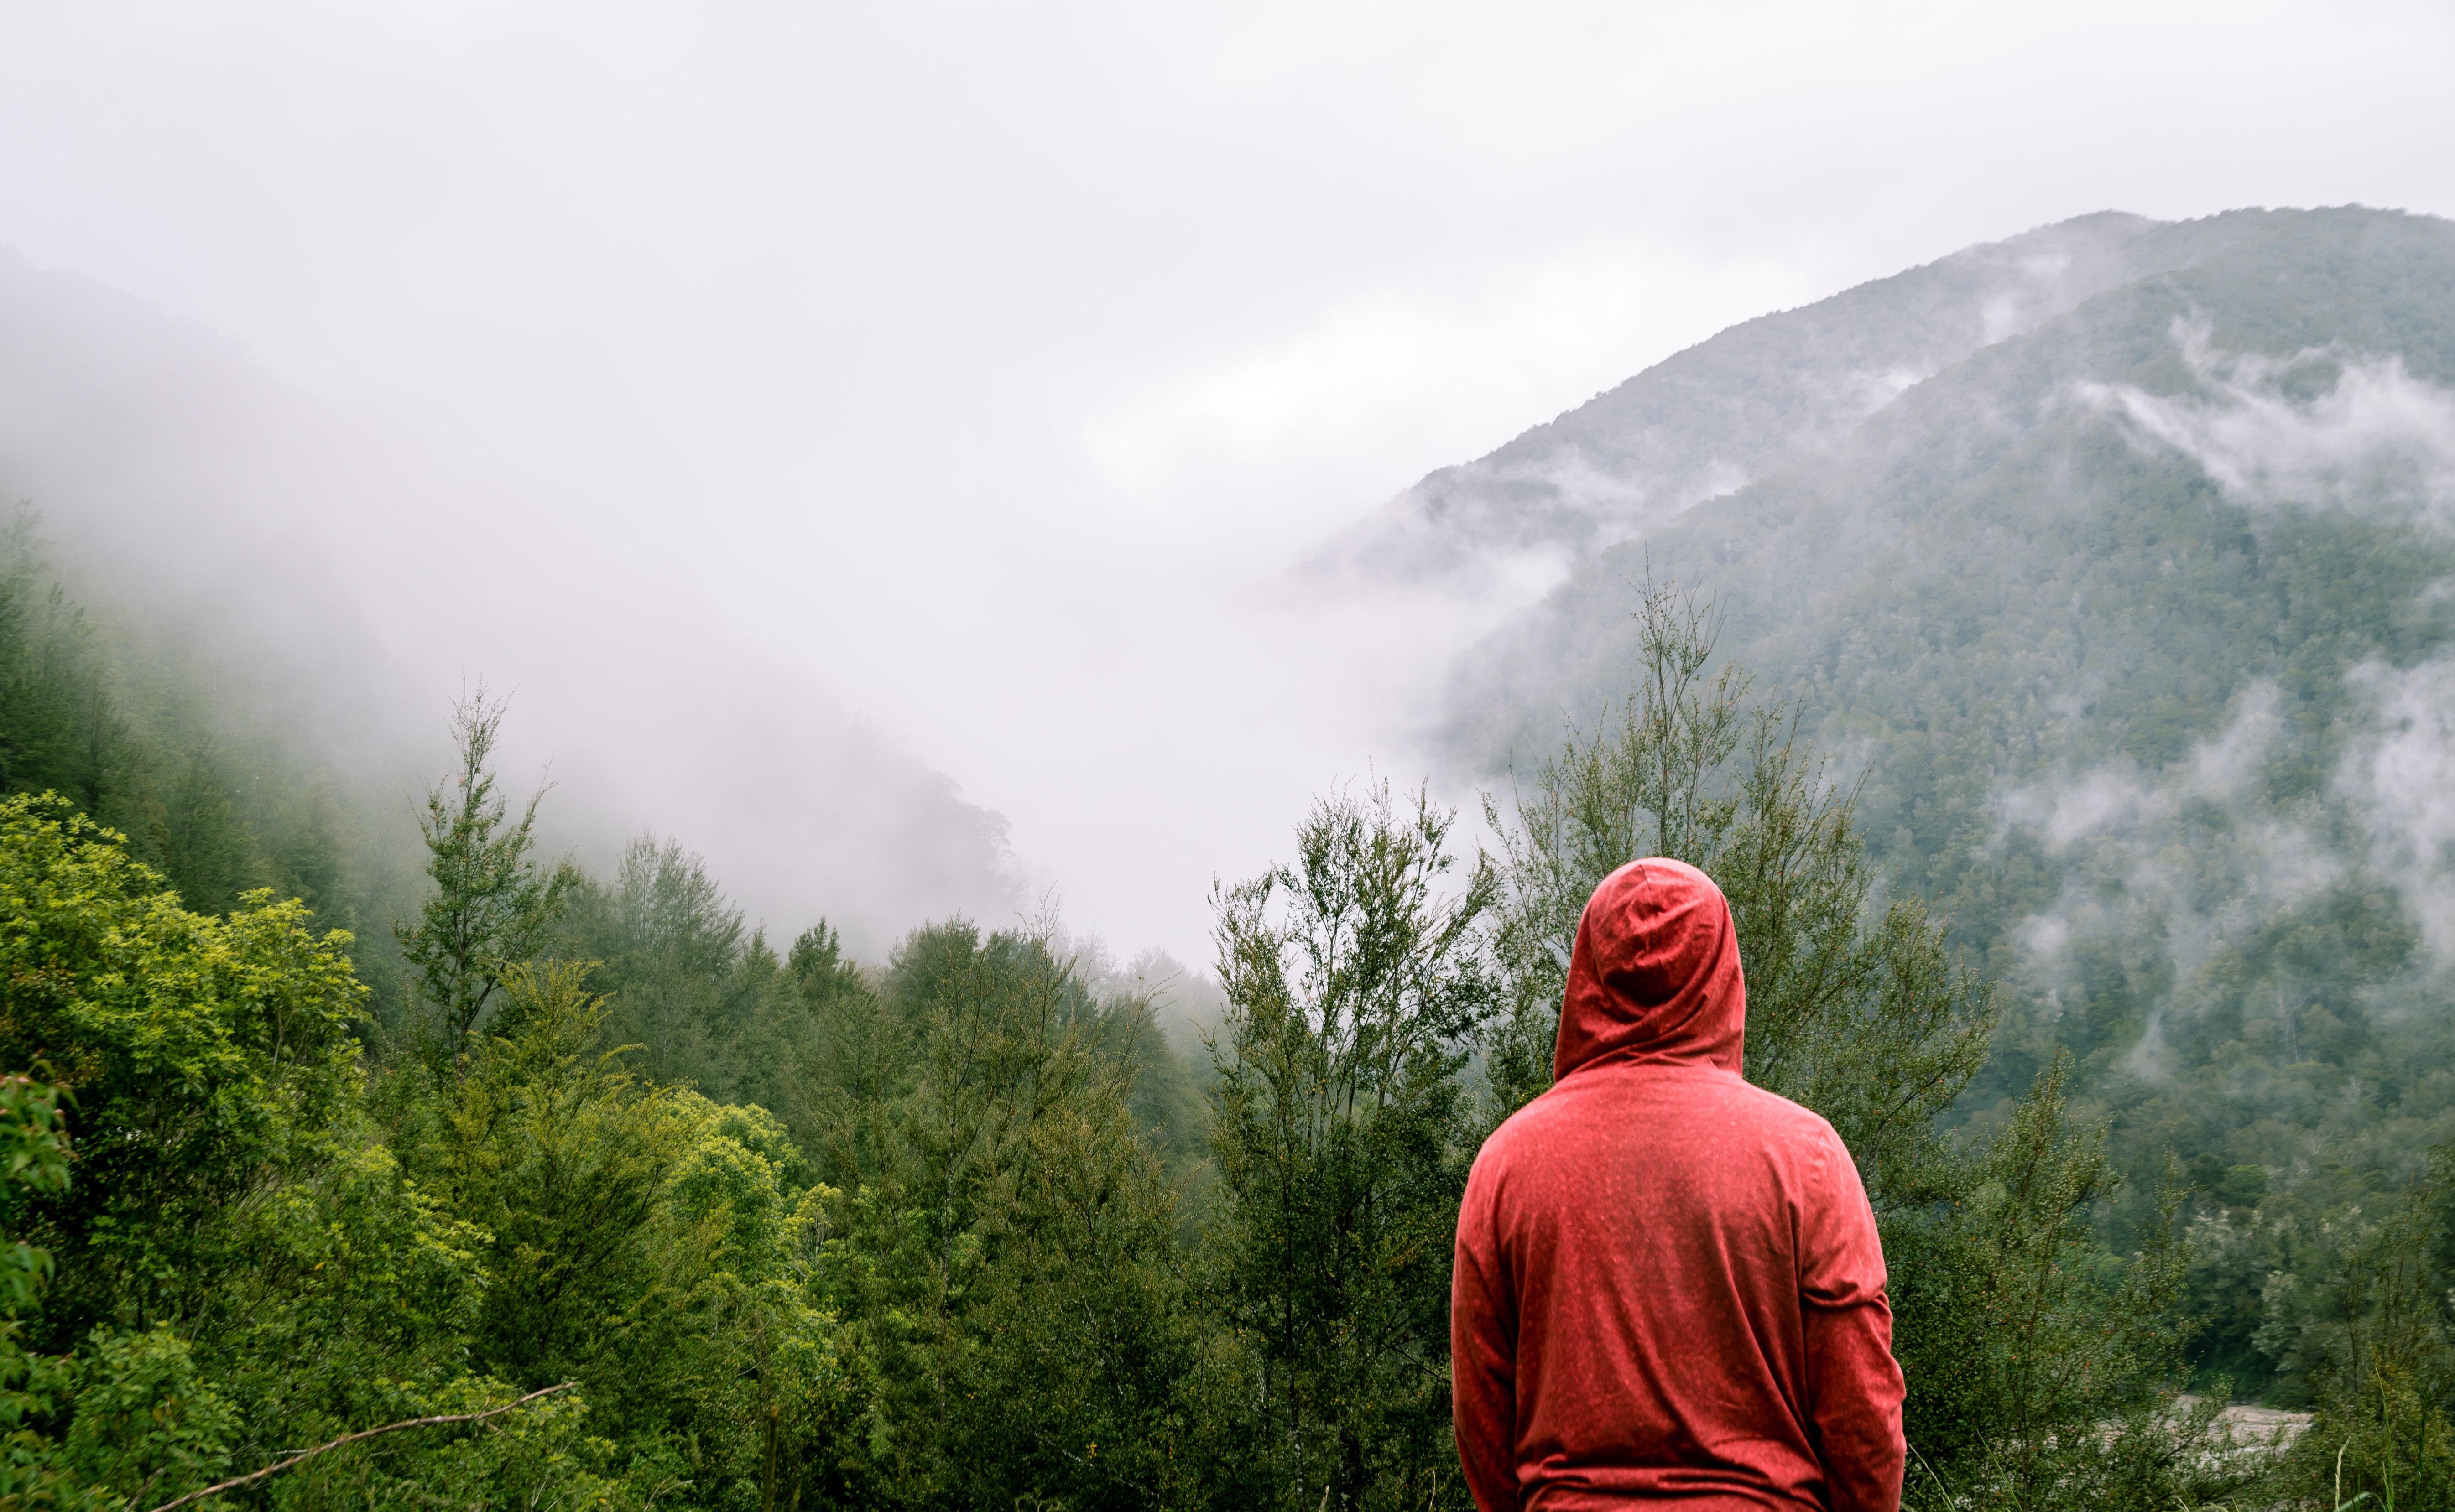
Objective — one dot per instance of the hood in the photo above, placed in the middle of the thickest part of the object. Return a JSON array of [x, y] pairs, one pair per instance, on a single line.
[[1655, 973]]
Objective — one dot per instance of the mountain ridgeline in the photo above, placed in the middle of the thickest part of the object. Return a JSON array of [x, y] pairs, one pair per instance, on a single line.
[[2130, 626]]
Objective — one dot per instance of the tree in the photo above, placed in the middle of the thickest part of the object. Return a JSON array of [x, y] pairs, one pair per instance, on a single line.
[[1874, 1026], [60, 728], [1341, 1131], [670, 951], [34, 1162], [238, 1257], [203, 1054], [491, 905]]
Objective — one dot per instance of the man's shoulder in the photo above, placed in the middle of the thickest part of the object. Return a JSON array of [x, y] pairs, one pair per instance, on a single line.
[[1780, 1112], [1607, 1097]]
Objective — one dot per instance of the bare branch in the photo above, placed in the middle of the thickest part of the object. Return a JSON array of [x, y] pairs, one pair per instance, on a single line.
[[347, 1439]]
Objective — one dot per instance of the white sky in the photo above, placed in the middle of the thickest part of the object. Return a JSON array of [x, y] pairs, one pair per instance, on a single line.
[[987, 364]]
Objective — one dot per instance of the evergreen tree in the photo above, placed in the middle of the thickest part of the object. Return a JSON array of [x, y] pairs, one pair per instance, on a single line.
[[491, 905]]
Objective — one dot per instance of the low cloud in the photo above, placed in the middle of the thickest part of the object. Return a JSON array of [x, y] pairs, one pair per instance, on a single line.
[[2402, 782], [2143, 870], [2322, 429], [2195, 859]]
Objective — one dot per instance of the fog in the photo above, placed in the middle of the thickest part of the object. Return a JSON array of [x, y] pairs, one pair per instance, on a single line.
[[790, 403], [2372, 437], [2135, 883]]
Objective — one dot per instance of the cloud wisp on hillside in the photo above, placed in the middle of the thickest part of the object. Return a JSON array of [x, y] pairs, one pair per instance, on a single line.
[[2402, 782], [2322, 429]]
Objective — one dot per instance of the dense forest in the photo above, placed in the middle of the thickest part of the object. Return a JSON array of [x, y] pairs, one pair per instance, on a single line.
[[557, 1189], [2066, 722]]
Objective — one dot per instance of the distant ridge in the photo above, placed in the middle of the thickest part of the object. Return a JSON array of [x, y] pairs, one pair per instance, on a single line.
[[1765, 394]]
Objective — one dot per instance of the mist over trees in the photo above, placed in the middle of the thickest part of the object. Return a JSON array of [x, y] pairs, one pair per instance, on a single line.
[[987, 1238], [2067, 723], [235, 534]]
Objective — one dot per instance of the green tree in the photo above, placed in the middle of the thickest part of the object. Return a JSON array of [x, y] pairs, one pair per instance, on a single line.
[[2377, 1342], [60, 729], [206, 847], [1873, 1025], [642, 1239], [203, 1054], [1002, 1250], [242, 1261], [2043, 1368], [493, 905], [1355, 979], [671, 954], [34, 1154]]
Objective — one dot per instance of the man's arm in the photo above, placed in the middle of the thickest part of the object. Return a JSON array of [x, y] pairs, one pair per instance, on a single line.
[[1854, 1382], [1483, 1357]]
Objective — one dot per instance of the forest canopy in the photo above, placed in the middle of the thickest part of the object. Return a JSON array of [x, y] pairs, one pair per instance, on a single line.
[[641, 1208]]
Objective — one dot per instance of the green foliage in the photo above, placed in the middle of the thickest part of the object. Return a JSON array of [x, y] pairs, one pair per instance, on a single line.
[[146, 1422], [1343, 1131], [673, 957], [58, 726], [2377, 1343], [2043, 1368], [562, 1156], [33, 1163], [199, 1050], [242, 1261], [34, 1387], [1003, 1251], [492, 906]]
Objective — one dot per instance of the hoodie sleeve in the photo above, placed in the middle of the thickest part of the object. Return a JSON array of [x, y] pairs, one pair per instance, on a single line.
[[1483, 1356], [1854, 1382]]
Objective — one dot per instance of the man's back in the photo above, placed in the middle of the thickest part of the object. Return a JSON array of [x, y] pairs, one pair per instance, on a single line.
[[1667, 1281]]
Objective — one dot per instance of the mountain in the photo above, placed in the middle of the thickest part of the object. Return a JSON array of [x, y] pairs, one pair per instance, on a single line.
[[1762, 395], [2132, 615]]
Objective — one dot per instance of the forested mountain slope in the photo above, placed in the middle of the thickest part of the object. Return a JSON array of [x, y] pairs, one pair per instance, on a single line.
[[2139, 628], [265, 571], [1767, 393]]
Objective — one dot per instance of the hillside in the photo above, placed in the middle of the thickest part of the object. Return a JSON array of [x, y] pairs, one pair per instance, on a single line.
[[274, 584], [2135, 625], [1766, 394]]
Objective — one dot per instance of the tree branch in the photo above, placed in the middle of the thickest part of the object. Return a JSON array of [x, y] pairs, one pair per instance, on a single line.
[[305, 1455]]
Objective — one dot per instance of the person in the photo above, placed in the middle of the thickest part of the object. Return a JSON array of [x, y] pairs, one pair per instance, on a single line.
[[1668, 1283]]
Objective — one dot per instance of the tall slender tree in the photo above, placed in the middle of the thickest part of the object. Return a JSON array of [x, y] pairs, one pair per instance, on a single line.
[[1355, 980], [1857, 1009], [492, 903]]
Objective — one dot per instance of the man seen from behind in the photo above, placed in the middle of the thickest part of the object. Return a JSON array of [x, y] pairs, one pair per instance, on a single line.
[[1668, 1285]]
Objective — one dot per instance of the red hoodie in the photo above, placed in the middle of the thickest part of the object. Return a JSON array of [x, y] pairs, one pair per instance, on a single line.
[[1667, 1281]]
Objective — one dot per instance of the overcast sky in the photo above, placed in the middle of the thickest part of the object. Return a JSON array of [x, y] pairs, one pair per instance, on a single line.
[[988, 364]]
